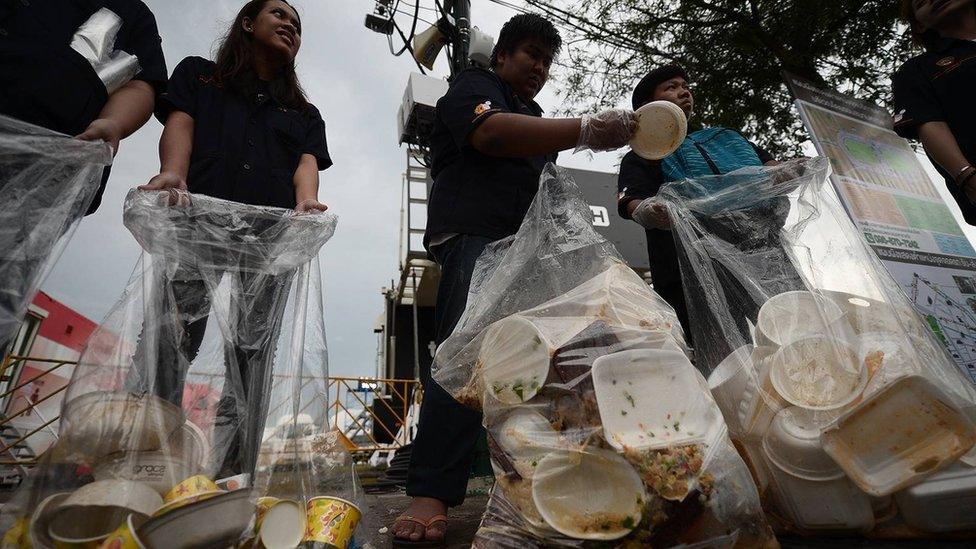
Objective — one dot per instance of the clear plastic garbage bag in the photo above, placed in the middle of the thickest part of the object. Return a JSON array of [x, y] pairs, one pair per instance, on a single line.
[[599, 427], [95, 41], [47, 181], [196, 414], [833, 387]]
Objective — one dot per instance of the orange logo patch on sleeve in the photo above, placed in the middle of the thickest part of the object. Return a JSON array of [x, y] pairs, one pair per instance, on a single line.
[[483, 107]]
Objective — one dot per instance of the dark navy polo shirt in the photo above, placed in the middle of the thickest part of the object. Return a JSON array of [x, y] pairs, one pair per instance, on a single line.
[[45, 82], [940, 86], [474, 193], [245, 149]]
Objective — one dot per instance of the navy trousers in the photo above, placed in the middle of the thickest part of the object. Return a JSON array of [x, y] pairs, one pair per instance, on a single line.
[[447, 432]]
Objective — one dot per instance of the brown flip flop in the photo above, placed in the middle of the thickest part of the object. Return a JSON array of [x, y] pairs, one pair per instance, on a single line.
[[421, 543]]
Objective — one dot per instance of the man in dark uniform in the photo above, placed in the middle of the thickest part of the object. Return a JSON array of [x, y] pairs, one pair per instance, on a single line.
[[489, 146], [934, 91], [45, 82], [708, 151]]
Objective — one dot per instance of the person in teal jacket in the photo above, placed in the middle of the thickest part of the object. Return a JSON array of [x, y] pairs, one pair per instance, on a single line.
[[704, 152]]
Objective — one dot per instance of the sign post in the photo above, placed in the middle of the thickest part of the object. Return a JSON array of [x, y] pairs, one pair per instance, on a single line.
[[901, 215]]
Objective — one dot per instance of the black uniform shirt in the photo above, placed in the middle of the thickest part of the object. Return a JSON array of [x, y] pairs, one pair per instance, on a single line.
[[474, 193], [640, 179], [940, 86], [245, 149], [45, 82]]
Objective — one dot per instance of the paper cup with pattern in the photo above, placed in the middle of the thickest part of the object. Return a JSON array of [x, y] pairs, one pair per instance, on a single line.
[[124, 537], [331, 520], [193, 489], [280, 523]]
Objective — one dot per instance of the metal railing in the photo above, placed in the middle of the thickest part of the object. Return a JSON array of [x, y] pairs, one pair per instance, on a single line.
[[363, 417], [366, 406], [10, 363]]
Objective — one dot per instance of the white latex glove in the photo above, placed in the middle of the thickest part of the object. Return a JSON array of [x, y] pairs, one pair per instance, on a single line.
[[652, 214], [607, 130]]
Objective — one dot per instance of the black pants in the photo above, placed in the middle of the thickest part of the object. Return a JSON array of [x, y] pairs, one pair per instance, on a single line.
[[447, 432], [257, 306]]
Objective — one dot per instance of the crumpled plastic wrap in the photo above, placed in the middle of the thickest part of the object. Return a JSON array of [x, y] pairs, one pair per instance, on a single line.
[[95, 41], [600, 429], [196, 413], [47, 181], [834, 389]]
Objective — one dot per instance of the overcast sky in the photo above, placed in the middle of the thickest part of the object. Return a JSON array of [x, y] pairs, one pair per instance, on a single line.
[[358, 85]]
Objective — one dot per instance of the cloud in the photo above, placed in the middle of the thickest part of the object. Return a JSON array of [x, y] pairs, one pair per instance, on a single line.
[[358, 86]]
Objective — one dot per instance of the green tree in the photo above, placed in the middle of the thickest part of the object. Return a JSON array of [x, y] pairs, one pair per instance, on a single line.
[[735, 52]]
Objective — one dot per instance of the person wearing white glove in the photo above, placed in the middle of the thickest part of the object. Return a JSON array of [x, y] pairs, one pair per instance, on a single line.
[[707, 151], [489, 145]]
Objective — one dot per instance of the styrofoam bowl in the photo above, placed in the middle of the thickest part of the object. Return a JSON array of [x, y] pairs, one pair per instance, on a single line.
[[652, 399], [818, 373], [104, 422], [283, 525], [794, 315], [728, 382], [594, 494], [95, 510], [515, 359], [40, 520], [793, 444], [526, 436], [661, 127]]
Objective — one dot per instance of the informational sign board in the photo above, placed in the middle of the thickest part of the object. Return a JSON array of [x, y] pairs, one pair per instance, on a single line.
[[895, 204]]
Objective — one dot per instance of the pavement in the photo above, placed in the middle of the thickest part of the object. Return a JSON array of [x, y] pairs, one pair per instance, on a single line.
[[464, 520]]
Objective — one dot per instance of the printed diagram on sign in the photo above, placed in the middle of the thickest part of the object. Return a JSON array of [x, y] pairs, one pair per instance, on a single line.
[[952, 320]]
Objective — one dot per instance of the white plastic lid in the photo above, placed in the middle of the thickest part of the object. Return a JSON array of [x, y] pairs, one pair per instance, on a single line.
[[661, 127]]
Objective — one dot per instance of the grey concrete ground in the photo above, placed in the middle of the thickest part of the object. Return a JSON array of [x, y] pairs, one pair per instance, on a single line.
[[384, 508]]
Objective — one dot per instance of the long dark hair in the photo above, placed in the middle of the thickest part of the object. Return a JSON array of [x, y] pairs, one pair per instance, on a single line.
[[920, 35], [235, 58]]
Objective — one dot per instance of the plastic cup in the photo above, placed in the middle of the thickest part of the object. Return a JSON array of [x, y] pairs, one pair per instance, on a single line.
[[795, 315], [760, 402], [728, 382], [331, 520], [661, 127], [818, 373]]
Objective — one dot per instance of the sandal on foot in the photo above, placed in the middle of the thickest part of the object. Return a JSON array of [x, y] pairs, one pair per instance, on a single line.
[[422, 543]]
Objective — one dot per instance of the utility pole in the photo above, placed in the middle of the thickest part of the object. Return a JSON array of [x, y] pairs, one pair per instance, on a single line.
[[461, 11]]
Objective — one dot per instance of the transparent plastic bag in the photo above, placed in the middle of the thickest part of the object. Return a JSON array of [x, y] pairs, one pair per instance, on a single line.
[[47, 182], [599, 427], [197, 409], [95, 41], [834, 388]]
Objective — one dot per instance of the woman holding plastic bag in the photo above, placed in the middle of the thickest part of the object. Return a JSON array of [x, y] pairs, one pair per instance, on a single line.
[[239, 129]]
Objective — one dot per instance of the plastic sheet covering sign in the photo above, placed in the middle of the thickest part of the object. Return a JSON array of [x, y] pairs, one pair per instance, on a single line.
[[898, 210]]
